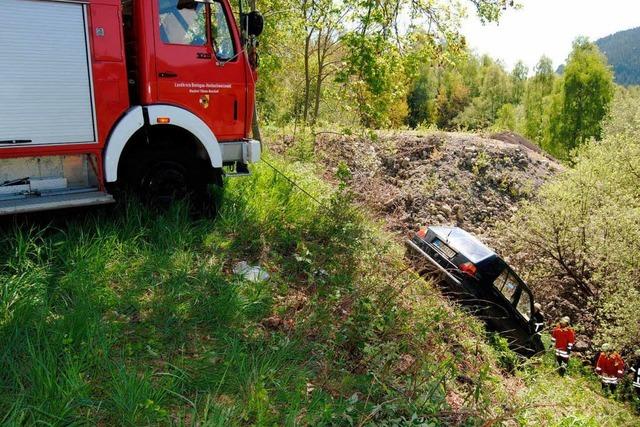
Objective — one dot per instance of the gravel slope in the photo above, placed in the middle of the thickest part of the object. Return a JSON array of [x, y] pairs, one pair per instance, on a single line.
[[414, 178]]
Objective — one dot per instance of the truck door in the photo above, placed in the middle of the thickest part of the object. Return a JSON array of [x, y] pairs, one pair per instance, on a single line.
[[199, 65]]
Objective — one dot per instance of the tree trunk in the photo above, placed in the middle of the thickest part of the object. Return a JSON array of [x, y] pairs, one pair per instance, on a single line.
[[307, 76], [319, 78]]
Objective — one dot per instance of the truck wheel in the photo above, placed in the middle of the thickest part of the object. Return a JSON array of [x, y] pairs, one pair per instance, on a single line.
[[164, 182], [169, 178]]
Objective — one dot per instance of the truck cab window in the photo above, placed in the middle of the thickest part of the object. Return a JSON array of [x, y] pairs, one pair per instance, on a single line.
[[185, 26], [221, 33]]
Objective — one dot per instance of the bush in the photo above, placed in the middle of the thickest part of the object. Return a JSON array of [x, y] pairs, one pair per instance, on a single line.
[[579, 241]]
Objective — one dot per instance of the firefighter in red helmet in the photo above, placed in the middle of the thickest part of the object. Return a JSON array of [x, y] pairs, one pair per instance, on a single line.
[[564, 337]]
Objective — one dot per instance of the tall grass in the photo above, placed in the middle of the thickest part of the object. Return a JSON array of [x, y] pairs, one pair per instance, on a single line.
[[127, 317]]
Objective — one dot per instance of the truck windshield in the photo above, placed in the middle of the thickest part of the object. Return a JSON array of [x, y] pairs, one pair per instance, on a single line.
[[185, 26]]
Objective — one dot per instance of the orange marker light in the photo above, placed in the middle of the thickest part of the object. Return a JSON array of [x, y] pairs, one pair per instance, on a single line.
[[163, 120]]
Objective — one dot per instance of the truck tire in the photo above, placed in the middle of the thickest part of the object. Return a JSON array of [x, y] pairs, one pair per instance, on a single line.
[[164, 182], [169, 179]]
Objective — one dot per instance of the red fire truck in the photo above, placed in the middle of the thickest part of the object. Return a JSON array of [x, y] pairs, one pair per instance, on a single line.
[[157, 95]]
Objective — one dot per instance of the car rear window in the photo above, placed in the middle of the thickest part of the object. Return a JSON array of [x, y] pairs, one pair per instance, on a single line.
[[464, 243]]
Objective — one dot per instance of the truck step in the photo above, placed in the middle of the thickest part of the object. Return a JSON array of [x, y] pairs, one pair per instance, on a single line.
[[57, 201], [237, 170]]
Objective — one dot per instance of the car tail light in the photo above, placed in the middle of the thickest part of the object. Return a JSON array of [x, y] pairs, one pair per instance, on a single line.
[[422, 233], [468, 268]]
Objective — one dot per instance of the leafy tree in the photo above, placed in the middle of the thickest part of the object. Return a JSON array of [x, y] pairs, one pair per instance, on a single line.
[[586, 92], [420, 101], [518, 81], [277, 88], [374, 77], [506, 118], [373, 71], [323, 27], [553, 116], [348, 59], [495, 91], [578, 242], [536, 100], [453, 96]]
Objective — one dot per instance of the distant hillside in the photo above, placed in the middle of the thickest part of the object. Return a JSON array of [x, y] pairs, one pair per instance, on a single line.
[[623, 52]]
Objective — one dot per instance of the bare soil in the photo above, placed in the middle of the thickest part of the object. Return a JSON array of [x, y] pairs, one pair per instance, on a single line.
[[412, 179]]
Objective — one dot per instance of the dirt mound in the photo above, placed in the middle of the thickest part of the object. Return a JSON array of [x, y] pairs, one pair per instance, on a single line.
[[438, 178], [517, 139]]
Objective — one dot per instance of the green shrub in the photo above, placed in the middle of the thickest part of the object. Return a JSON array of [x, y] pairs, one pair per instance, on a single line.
[[584, 227]]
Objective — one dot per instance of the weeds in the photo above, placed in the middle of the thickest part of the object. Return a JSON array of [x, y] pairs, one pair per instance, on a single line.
[[124, 317], [480, 163]]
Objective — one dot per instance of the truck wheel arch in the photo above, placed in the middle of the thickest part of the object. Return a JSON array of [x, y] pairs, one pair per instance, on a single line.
[[134, 120]]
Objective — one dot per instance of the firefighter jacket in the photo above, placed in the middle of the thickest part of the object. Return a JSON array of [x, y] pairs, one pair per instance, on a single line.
[[610, 367], [564, 338], [636, 374]]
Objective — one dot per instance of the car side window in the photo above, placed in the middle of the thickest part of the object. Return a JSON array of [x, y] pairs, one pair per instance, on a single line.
[[524, 304], [184, 26], [221, 33], [507, 284], [499, 281]]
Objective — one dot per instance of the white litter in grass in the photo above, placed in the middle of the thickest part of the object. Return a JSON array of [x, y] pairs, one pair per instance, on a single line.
[[252, 273]]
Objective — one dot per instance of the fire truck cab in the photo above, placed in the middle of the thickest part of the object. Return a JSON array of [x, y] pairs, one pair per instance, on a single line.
[[157, 95]]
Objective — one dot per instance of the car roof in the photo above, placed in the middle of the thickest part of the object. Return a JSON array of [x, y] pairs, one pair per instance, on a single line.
[[465, 243]]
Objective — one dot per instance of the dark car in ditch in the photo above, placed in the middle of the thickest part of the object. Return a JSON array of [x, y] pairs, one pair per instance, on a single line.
[[478, 278]]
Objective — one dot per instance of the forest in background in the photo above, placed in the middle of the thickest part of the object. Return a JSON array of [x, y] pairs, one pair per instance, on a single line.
[[405, 64], [354, 62]]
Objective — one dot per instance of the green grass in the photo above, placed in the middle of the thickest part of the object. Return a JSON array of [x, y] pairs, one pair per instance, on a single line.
[[575, 400], [125, 317]]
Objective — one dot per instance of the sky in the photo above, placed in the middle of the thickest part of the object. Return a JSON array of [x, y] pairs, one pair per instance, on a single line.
[[548, 27]]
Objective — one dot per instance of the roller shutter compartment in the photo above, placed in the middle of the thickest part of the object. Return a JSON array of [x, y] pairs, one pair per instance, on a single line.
[[45, 77]]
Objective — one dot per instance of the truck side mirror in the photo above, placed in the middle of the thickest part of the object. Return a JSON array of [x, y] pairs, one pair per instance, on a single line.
[[254, 22]]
